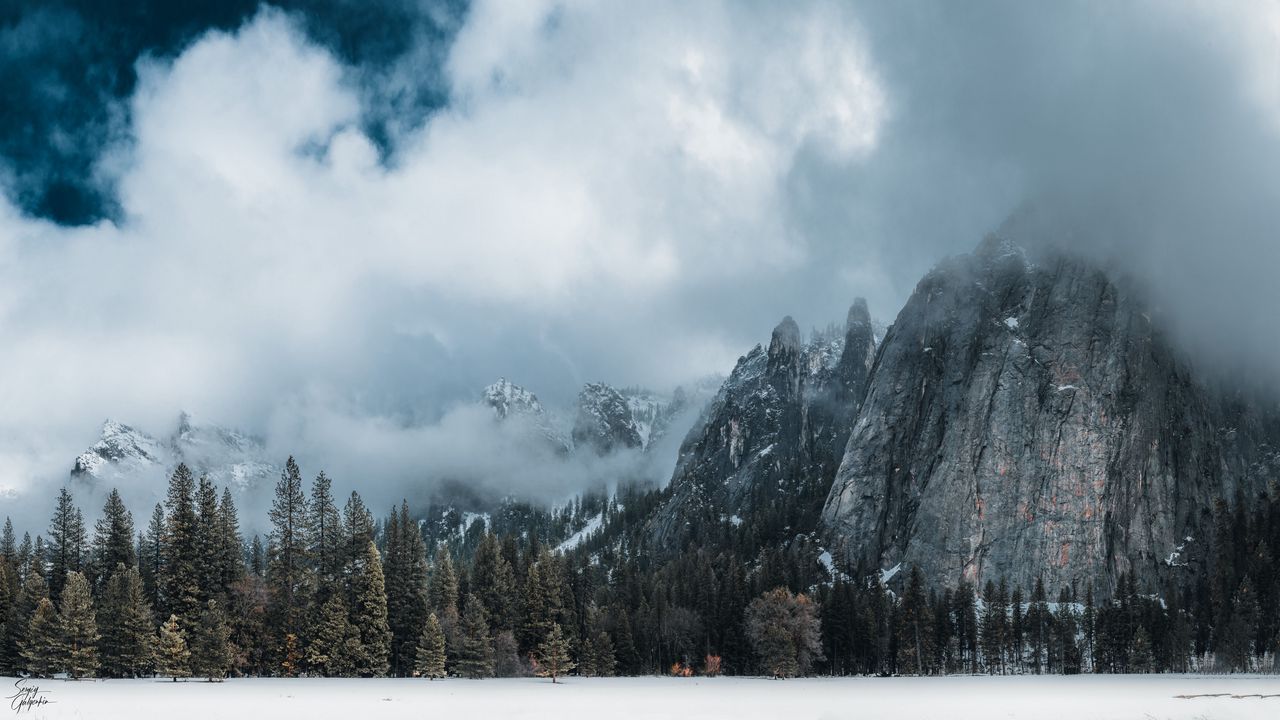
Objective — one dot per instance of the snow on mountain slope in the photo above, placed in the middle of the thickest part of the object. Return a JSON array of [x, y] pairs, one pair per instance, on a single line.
[[126, 455]]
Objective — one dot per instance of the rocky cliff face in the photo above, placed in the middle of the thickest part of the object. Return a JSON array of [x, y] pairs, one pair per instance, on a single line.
[[767, 446], [604, 421], [1027, 417]]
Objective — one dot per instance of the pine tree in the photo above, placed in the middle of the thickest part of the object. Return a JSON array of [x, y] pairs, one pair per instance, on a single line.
[[66, 542], [965, 616], [494, 582], [357, 528], [33, 555], [442, 591], [475, 652], [230, 552], [994, 618], [41, 645], [124, 621], [288, 557], [208, 540], [8, 544], [1038, 626], [78, 628], [369, 613], [1089, 623], [628, 659], [442, 598], [1141, 659], [597, 656], [1065, 628], [211, 644], [112, 539], [328, 562], [16, 630], [257, 557], [544, 600], [247, 609], [1017, 628], [327, 551], [151, 557], [407, 602], [180, 573], [8, 598], [335, 649], [429, 658], [1236, 640], [173, 659], [553, 654], [915, 630]]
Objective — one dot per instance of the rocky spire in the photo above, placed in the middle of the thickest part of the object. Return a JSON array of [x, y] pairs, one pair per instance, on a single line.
[[858, 355], [785, 341]]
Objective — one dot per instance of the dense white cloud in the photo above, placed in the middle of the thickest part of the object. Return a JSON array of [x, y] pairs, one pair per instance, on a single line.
[[598, 162]]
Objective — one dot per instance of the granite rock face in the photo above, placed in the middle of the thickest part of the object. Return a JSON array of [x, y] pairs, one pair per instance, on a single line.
[[604, 421], [1027, 417], [772, 436]]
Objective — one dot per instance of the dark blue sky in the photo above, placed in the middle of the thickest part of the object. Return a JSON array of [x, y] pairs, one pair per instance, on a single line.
[[67, 69]]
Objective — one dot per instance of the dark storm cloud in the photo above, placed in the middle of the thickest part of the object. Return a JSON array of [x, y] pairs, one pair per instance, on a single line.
[[67, 69]]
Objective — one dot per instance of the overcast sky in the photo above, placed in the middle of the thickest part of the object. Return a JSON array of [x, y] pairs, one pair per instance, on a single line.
[[345, 219]]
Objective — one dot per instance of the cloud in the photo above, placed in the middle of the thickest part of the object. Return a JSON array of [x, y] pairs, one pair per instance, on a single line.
[[272, 269]]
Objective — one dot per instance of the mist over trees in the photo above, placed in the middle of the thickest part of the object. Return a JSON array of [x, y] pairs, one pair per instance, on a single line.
[[334, 592]]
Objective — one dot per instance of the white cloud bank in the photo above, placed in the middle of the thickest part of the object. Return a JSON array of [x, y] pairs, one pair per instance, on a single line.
[[597, 161]]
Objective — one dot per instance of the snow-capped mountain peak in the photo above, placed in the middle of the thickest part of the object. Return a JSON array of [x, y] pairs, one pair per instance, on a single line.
[[506, 398], [229, 457], [122, 446]]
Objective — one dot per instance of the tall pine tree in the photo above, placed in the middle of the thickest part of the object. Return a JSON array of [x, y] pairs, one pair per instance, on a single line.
[[369, 613], [78, 628], [112, 539], [151, 557], [406, 574], [181, 573], [173, 658], [124, 622], [211, 644], [429, 657], [66, 547], [553, 654], [289, 560], [41, 644], [475, 651]]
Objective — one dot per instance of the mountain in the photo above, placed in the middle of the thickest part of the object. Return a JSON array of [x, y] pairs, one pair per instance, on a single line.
[[765, 450], [605, 421], [512, 403], [120, 450], [123, 453], [1027, 416]]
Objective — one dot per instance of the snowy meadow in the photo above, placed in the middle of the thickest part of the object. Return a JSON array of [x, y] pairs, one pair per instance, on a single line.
[[957, 698]]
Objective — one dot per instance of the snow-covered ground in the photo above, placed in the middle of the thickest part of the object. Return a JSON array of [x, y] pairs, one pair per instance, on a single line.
[[953, 698]]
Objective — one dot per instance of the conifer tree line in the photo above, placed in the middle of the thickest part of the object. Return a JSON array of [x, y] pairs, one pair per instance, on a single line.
[[331, 591]]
